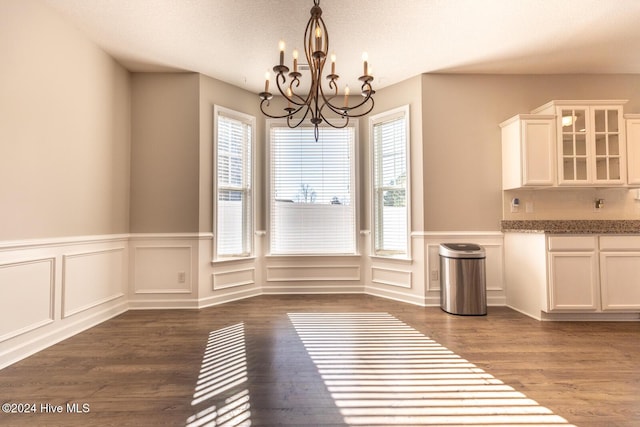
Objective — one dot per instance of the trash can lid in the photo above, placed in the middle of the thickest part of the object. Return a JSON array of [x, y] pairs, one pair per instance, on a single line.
[[461, 250]]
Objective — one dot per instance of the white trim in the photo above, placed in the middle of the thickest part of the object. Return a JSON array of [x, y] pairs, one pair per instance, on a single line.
[[355, 176], [402, 112], [215, 275], [171, 236], [408, 285], [396, 296], [355, 268], [61, 241], [249, 120], [228, 297], [64, 331]]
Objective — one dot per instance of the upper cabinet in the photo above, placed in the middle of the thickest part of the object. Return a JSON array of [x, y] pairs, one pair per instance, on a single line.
[[589, 142], [528, 151], [633, 148]]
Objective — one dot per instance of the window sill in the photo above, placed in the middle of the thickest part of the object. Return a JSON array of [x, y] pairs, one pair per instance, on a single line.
[[313, 256], [401, 260]]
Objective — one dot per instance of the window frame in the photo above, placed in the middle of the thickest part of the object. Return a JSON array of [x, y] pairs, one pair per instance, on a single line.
[[402, 112], [249, 233], [354, 124]]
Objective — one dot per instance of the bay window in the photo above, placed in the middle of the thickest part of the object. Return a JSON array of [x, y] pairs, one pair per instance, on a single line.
[[233, 228], [312, 190], [389, 133]]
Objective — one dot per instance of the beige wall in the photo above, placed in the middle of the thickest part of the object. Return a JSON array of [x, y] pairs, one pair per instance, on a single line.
[[64, 129], [462, 155], [164, 153]]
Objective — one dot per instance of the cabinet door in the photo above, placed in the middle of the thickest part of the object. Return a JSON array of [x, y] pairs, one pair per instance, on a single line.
[[538, 152], [573, 281], [608, 145], [573, 148], [633, 151], [620, 280]]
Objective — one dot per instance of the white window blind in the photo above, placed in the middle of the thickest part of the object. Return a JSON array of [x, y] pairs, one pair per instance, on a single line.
[[312, 191], [234, 216], [390, 187]]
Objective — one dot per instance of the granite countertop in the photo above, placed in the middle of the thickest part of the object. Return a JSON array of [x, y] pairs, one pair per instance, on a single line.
[[572, 226]]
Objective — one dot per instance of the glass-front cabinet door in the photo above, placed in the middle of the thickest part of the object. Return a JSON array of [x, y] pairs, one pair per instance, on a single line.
[[592, 147], [607, 144], [574, 152]]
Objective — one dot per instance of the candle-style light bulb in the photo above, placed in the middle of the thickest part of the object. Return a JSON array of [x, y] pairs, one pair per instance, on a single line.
[[281, 46], [365, 58], [333, 63], [318, 39], [346, 96], [295, 60], [267, 76]]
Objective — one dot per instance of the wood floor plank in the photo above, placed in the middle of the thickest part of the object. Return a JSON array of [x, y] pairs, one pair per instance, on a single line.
[[142, 368]]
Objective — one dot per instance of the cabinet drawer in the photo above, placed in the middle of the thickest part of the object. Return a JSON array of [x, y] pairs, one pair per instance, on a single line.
[[620, 243], [572, 243]]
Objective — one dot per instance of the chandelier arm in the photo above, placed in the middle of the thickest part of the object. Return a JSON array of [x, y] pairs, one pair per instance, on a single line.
[[327, 121], [284, 116], [290, 117], [350, 111]]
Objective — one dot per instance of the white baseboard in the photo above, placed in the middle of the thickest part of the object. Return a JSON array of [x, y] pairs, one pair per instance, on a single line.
[[60, 333], [228, 297]]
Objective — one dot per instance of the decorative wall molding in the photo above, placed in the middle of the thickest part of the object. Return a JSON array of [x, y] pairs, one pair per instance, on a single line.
[[61, 241], [26, 296], [92, 278], [395, 295], [162, 269], [391, 277], [147, 264], [225, 297], [313, 273], [170, 236], [233, 278], [54, 288]]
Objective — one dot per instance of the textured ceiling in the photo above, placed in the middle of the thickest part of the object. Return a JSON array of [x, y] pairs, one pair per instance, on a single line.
[[237, 40]]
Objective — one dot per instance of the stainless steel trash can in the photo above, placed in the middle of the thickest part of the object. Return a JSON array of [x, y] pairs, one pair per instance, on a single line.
[[462, 279]]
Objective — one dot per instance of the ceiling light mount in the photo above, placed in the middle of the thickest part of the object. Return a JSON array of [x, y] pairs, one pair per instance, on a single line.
[[316, 103]]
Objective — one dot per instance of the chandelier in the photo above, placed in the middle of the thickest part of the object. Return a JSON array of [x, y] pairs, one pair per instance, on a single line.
[[320, 106]]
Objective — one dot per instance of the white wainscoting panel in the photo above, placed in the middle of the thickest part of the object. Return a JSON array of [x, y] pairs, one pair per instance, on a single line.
[[52, 289], [391, 277], [233, 278], [313, 273], [26, 296], [92, 278], [163, 269]]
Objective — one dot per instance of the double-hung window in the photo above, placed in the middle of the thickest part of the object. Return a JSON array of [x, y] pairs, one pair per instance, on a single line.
[[233, 228], [389, 133], [312, 190]]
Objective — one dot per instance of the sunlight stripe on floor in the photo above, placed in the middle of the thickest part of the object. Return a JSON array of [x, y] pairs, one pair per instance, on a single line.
[[381, 371]]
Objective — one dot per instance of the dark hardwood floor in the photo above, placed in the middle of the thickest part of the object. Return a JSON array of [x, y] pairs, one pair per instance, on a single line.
[[244, 363]]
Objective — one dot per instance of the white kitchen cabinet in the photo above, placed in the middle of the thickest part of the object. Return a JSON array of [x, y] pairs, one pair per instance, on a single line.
[[528, 151], [590, 142], [620, 272], [633, 148], [573, 274], [582, 276]]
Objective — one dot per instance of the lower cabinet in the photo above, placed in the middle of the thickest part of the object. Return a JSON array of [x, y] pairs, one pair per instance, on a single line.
[[572, 273], [620, 273], [573, 281]]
